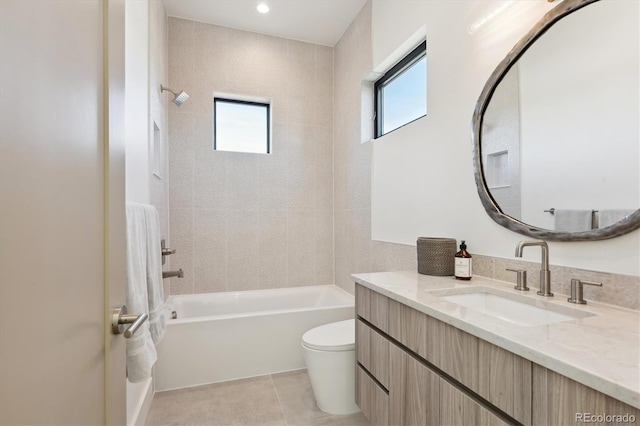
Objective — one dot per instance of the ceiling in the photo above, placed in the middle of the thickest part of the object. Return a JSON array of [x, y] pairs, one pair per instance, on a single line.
[[314, 21]]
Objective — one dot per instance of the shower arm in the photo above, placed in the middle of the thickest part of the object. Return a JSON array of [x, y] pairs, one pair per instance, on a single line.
[[163, 89]]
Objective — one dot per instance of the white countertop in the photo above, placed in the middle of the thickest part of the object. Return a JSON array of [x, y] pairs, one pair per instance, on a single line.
[[600, 351]]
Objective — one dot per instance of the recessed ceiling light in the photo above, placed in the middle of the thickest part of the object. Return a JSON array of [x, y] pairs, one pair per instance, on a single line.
[[262, 8]]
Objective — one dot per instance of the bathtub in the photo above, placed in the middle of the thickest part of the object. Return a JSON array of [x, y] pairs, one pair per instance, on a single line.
[[225, 336]]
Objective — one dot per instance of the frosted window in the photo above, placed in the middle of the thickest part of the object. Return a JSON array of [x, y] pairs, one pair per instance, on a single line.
[[401, 94], [241, 126]]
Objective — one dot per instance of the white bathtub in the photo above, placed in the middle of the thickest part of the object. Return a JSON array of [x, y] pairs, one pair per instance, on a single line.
[[226, 336]]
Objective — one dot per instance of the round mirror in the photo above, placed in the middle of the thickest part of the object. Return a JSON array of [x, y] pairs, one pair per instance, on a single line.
[[556, 128]]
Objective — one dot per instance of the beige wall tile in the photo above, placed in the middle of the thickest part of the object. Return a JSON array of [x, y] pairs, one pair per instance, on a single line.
[[323, 86], [301, 105], [323, 168], [272, 64], [181, 240], [324, 247], [242, 250], [181, 158], [393, 257], [483, 265], [210, 72], [181, 59], [301, 176], [209, 251], [210, 168], [353, 245], [273, 181], [359, 174], [624, 291], [302, 248], [242, 180], [272, 249]]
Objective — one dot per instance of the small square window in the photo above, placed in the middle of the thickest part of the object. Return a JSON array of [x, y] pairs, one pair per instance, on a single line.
[[241, 126], [401, 94]]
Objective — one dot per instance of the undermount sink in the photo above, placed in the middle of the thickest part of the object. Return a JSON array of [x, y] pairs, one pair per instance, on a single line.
[[512, 308]]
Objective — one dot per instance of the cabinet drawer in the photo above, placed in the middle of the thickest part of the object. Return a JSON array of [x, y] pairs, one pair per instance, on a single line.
[[504, 379], [414, 393], [458, 355], [456, 408], [372, 351], [373, 307], [559, 400], [497, 375], [372, 399], [415, 330]]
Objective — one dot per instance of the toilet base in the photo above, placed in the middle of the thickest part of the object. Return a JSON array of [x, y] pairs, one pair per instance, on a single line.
[[332, 376]]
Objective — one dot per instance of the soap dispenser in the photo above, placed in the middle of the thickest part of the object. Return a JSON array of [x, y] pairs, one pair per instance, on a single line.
[[463, 268]]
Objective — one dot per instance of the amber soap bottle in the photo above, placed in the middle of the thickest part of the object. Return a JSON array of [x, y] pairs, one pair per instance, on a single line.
[[463, 266]]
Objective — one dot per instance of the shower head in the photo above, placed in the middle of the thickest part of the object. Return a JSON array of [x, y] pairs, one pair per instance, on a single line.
[[178, 98]]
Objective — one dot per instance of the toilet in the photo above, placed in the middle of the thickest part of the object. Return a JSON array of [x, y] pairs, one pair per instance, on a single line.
[[329, 352]]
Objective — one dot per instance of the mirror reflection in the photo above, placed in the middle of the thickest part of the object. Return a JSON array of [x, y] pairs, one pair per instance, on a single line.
[[560, 136]]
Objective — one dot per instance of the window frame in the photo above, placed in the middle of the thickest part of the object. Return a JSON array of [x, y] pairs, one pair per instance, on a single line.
[[396, 71], [267, 105]]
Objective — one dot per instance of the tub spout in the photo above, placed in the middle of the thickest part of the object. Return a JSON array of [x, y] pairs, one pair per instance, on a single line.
[[168, 274]]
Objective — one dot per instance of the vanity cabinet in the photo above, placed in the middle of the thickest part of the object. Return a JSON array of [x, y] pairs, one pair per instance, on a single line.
[[432, 373], [414, 369]]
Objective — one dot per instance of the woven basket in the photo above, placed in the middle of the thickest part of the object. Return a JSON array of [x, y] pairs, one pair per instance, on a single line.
[[436, 256]]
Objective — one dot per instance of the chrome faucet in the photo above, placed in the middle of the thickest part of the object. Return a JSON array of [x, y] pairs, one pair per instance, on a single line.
[[545, 274]]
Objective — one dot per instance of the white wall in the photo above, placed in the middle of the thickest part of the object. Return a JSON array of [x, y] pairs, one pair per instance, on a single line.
[[422, 179]]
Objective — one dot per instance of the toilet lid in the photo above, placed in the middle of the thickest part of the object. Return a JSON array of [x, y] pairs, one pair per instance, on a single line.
[[337, 336]]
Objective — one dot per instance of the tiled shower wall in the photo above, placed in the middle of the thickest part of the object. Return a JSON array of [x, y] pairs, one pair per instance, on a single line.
[[250, 221]]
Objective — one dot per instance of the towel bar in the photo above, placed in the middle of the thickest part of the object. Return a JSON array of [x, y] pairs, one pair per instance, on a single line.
[[552, 210]]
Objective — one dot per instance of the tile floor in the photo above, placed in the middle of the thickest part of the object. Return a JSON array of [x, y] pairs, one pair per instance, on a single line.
[[277, 399]]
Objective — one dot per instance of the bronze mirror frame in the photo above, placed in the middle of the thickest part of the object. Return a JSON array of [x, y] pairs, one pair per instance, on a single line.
[[628, 224]]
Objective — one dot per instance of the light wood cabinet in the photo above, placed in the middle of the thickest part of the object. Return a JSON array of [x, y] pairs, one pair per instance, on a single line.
[[558, 400], [373, 307], [414, 391], [457, 408], [372, 352], [459, 355], [415, 330], [416, 370], [372, 399], [504, 379]]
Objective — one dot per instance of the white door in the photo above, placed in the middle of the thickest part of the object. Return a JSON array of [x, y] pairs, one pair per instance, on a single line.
[[61, 211]]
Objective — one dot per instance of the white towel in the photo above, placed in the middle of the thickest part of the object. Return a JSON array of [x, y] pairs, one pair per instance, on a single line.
[[610, 216], [157, 319], [141, 352], [573, 220]]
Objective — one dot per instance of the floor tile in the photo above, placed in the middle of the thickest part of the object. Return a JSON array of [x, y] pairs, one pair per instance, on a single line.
[[240, 402], [296, 398], [284, 399]]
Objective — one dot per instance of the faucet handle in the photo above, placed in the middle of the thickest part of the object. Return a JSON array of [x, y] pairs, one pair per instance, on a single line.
[[521, 279], [576, 291]]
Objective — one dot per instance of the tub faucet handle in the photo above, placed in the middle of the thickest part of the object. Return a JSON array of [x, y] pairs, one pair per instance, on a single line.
[[521, 279], [576, 291]]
